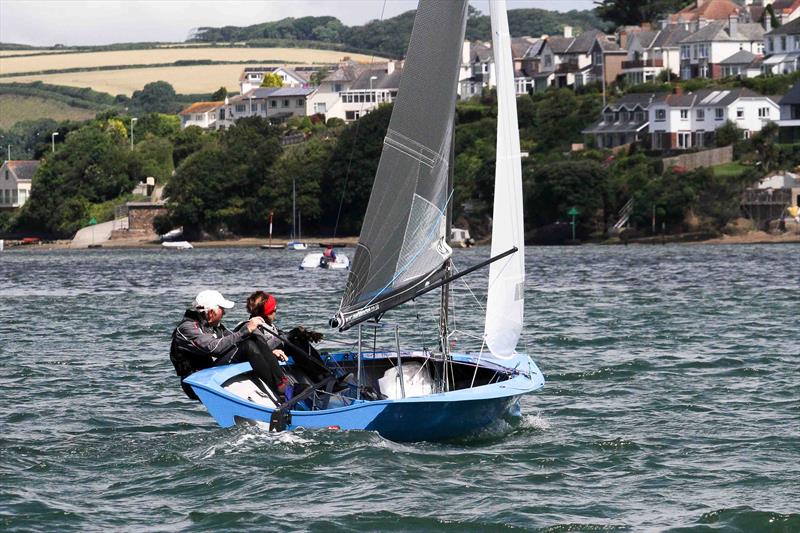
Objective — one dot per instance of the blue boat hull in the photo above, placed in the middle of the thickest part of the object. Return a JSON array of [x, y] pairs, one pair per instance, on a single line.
[[434, 417]]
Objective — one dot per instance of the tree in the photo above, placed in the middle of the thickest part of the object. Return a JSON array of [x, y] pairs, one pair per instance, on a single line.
[[155, 97], [552, 190], [215, 189], [219, 95], [272, 80], [634, 12], [727, 134]]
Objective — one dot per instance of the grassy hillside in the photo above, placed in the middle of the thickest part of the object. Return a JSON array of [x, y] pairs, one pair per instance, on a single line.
[[15, 108]]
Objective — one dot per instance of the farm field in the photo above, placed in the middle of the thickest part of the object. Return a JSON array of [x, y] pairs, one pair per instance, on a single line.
[[15, 109], [10, 64], [186, 80]]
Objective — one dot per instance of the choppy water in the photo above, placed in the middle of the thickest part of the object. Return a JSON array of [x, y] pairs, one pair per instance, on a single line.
[[672, 401]]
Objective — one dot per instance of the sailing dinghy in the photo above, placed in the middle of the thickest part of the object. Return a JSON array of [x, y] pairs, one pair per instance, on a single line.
[[402, 253]]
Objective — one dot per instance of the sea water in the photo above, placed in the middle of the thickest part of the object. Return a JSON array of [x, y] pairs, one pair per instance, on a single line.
[[672, 400]]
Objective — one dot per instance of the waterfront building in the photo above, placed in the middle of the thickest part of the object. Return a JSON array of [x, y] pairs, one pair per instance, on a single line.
[[681, 121], [15, 183], [623, 122]]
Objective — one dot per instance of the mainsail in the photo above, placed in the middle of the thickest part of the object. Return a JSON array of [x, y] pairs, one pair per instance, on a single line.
[[402, 244], [506, 277]]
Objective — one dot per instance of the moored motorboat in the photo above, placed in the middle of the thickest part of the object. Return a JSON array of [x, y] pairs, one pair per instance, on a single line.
[[318, 260]]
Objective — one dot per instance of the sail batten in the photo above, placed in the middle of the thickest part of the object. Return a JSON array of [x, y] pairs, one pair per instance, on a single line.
[[505, 301], [402, 243]]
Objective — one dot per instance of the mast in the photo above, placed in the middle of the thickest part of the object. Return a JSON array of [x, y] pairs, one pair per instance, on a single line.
[[444, 307], [294, 216]]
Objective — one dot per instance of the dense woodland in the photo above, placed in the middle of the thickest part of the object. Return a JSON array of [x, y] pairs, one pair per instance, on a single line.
[[390, 37]]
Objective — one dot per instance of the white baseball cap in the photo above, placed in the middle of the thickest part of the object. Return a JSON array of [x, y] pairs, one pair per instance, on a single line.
[[206, 300]]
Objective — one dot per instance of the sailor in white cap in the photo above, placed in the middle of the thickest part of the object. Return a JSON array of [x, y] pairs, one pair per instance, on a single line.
[[201, 340]]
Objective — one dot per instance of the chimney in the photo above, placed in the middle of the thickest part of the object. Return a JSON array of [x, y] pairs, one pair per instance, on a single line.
[[677, 90], [390, 67], [567, 31], [733, 25], [623, 39], [767, 22], [544, 37]]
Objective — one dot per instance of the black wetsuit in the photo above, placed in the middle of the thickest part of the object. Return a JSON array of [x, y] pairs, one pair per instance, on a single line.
[[197, 345]]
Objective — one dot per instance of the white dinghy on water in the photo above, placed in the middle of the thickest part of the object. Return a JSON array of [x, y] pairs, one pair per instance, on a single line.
[[421, 395]]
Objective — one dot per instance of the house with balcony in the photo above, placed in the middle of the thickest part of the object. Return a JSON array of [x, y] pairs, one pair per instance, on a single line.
[[703, 51], [276, 104], [681, 121], [782, 46], [623, 122], [651, 52], [202, 114], [15, 183], [789, 122]]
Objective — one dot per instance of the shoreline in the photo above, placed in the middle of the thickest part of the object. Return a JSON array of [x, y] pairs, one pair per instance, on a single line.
[[152, 242]]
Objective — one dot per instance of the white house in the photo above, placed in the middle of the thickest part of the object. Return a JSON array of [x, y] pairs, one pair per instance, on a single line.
[[680, 121], [252, 77], [274, 103], [202, 114], [782, 45], [703, 51], [354, 89], [15, 183], [742, 64]]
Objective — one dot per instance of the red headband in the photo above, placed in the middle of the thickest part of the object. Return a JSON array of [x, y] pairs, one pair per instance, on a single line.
[[270, 305]]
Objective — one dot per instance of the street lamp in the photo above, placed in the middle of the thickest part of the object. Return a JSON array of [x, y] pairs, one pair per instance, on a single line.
[[133, 121], [53, 140]]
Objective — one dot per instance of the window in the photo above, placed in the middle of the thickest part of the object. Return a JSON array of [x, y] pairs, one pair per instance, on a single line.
[[337, 87], [548, 60], [608, 117], [770, 45], [240, 108], [14, 198], [684, 114], [320, 107], [301, 102], [286, 102], [719, 113], [661, 115], [273, 103], [694, 51], [640, 116], [760, 48], [763, 112], [739, 113], [658, 140], [701, 114], [783, 43], [797, 42], [684, 140], [598, 58], [222, 114], [578, 80], [700, 138], [685, 52]]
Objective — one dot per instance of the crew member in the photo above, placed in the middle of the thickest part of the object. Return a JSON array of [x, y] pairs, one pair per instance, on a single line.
[[201, 340]]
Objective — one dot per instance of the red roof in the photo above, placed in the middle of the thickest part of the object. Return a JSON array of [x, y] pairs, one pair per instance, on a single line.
[[201, 107], [707, 9]]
